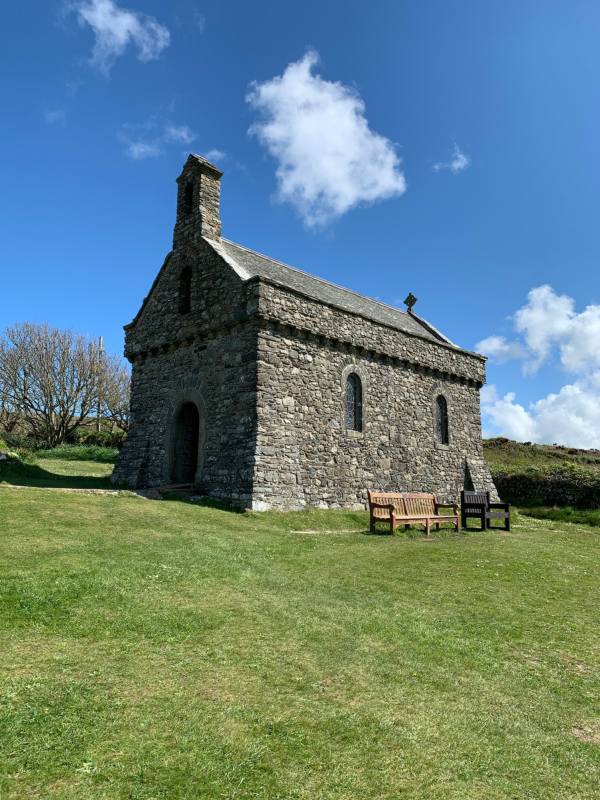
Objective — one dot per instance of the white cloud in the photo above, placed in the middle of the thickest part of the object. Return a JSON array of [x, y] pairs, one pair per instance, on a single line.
[[507, 417], [543, 321], [199, 20], [580, 348], [215, 155], [328, 158], [549, 323], [56, 116], [457, 163], [150, 139], [570, 417], [138, 150], [179, 133], [116, 28], [499, 348]]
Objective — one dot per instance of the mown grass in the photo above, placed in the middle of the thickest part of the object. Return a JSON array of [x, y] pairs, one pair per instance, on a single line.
[[57, 473], [166, 650], [578, 516]]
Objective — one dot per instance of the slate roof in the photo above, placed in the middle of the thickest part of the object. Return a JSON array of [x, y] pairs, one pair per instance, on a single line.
[[249, 264]]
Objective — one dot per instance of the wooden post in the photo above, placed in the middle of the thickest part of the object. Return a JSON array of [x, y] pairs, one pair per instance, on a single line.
[[99, 398]]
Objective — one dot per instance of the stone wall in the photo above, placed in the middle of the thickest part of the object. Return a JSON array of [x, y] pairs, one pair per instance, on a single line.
[[208, 357], [219, 377], [284, 306], [305, 455]]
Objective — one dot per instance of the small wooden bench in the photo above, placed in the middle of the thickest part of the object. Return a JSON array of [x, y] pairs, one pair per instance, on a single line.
[[409, 508]]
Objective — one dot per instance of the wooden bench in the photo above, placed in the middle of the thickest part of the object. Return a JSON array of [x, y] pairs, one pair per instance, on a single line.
[[409, 508]]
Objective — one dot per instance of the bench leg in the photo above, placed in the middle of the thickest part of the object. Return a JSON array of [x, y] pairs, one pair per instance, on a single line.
[[437, 526], [427, 528], [392, 525]]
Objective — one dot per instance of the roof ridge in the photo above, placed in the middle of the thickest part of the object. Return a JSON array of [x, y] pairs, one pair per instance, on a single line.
[[322, 280]]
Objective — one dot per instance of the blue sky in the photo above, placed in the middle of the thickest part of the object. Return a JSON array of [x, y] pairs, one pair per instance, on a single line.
[[465, 168]]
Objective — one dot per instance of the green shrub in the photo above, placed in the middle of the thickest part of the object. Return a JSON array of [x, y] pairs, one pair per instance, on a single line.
[[99, 438], [18, 441], [80, 452], [570, 486]]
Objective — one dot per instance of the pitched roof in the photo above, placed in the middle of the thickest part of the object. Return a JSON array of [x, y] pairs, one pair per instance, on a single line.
[[249, 264]]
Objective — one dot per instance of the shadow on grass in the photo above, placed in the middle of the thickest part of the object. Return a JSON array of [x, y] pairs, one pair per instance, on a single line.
[[203, 502], [417, 532], [23, 474]]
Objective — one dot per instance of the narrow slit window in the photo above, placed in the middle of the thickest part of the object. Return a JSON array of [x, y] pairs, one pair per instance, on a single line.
[[441, 420], [188, 198], [354, 403], [185, 290]]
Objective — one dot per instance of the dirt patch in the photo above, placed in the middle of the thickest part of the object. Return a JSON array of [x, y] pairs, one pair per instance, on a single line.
[[590, 734], [73, 490], [329, 532], [574, 666]]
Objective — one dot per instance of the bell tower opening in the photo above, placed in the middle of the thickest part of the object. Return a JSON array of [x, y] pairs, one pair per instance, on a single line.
[[188, 198]]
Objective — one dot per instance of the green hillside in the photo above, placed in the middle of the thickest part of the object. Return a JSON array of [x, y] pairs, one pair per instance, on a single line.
[[504, 454], [544, 475]]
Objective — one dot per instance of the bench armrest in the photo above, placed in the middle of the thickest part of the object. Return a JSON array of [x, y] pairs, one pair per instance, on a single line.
[[505, 506], [389, 506], [453, 506]]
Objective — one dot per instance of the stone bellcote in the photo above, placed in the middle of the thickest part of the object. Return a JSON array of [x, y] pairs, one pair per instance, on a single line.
[[198, 202]]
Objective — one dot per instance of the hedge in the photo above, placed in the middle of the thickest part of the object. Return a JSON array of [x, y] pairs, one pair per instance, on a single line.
[[571, 486]]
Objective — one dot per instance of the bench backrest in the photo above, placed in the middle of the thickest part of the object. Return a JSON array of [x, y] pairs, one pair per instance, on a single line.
[[474, 501], [419, 504], [386, 498]]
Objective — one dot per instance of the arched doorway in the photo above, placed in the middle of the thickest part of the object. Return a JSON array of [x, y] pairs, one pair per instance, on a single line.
[[185, 444]]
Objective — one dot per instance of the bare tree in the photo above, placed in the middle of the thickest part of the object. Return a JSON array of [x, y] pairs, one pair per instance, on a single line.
[[8, 418], [114, 392], [49, 378]]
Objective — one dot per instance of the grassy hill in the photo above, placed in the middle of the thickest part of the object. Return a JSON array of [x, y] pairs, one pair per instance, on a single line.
[[159, 649], [530, 475], [504, 454]]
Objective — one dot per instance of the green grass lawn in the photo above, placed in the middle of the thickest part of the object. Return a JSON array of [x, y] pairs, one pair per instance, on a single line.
[[584, 516], [159, 650], [58, 473]]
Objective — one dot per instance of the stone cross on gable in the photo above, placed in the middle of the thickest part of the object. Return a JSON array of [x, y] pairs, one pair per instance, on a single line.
[[409, 301]]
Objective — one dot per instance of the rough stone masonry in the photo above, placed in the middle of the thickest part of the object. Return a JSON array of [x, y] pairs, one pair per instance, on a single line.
[[267, 387]]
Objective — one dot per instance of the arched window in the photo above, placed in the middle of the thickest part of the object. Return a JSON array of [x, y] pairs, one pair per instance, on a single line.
[[185, 290], [188, 198], [353, 403], [441, 420]]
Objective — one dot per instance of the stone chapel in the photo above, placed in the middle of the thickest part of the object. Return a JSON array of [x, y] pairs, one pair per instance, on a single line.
[[267, 387]]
